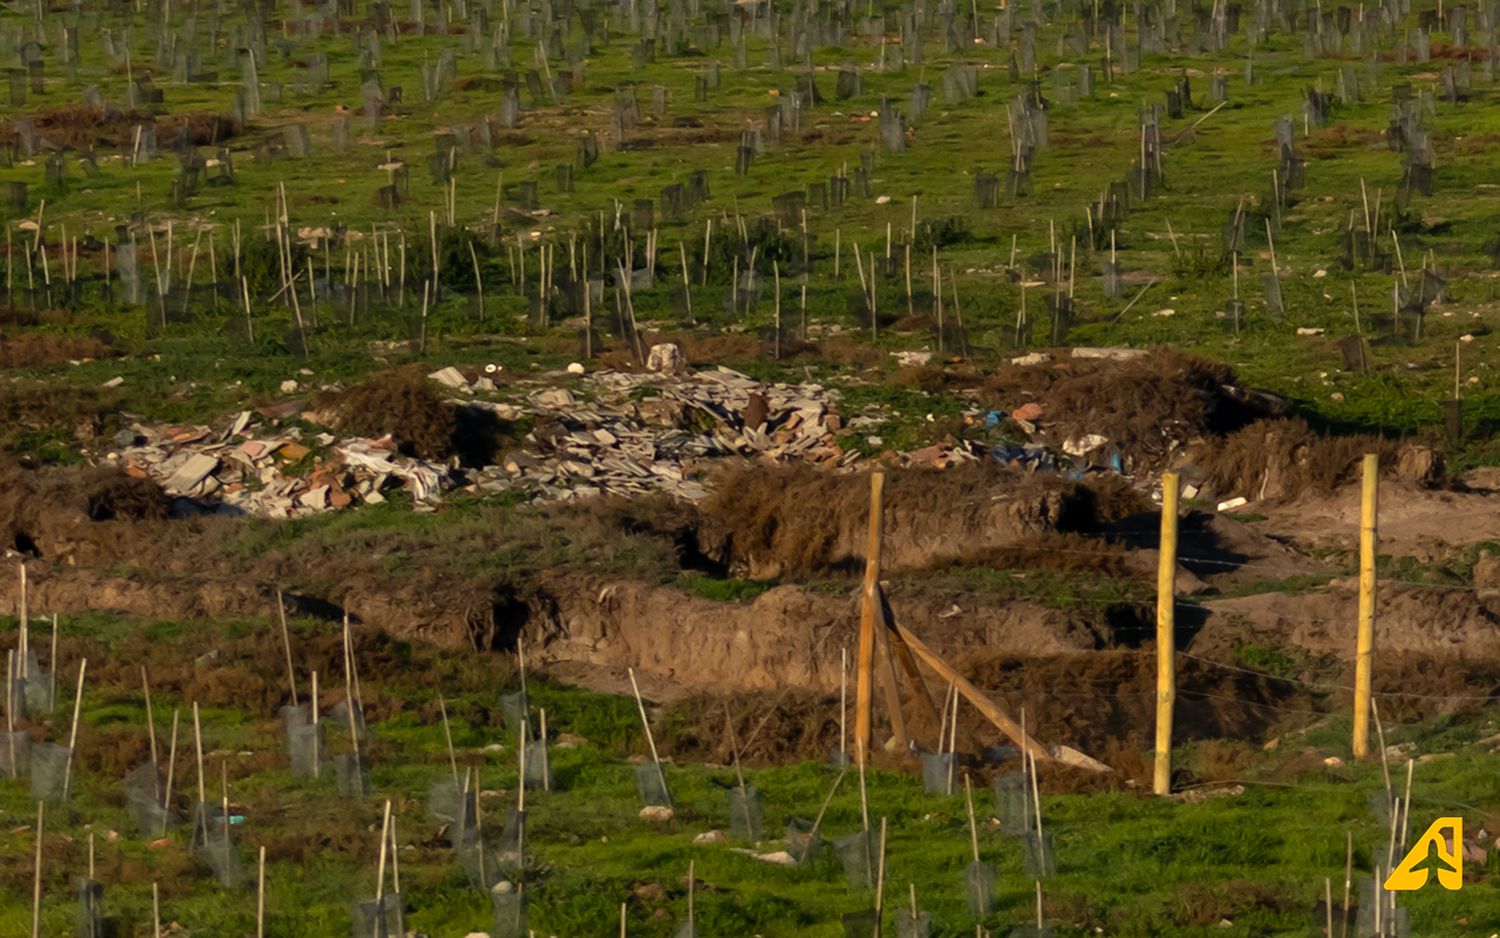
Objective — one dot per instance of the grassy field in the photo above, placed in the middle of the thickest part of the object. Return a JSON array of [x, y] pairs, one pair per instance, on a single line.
[[1250, 861], [1247, 860], [1212, 163]]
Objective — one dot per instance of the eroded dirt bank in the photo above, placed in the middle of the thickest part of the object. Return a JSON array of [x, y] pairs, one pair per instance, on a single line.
[[1039, 588]]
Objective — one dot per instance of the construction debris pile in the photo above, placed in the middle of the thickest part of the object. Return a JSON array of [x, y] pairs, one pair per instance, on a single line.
[[602, 433]]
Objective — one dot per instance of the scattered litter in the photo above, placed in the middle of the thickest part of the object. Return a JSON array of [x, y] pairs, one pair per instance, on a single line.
[[1232, 503], [114, 382], [1310, 330]]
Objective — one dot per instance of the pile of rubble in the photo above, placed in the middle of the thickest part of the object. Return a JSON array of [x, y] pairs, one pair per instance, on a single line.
[[602, 433]]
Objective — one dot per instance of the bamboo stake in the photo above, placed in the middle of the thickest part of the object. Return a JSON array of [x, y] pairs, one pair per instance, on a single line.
[[385, 830], [973, 827], [650, 741], [546, 757], [150, 723], [952, 742], [687, 287], [880, 880], [73, 733], [166, 801], [25, 625], [448, 738], [316, 736], [286, 645], [52, 665], [155, 911], [10, 709], [1365, 638], [739, 772], [349, 705], [1036, 804]]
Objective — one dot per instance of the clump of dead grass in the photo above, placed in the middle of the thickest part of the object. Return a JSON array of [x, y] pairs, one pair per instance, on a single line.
[[401, 404], [1275, 459], [80, 127], [800, 520], [35, 349]]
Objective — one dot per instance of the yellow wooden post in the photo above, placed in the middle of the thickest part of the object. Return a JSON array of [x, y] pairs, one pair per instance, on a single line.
[[1166, 637], [1365, 643], [868, 611]]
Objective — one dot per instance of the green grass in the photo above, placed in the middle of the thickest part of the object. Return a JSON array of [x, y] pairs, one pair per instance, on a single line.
[[1126, 863]]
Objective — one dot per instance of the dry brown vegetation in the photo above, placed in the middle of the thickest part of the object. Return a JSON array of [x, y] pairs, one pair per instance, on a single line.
[[80, 127], [801, 522], [1144, 406], [401, 404], [33, 349], [1278, 459]]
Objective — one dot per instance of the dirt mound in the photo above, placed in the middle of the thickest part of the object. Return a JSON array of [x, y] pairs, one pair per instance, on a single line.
[[1143, 407], [1434, 622], [798, 521], [83, 514], [80, 127], [1272, 460], [32, 349], [1102, 703], [1105, 703], [404, 405]]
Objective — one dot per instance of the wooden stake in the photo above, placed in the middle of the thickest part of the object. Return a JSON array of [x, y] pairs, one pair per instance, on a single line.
[[1166, 635], [260, 895], [36, 877], [869, 599], [1365, 637], [976, 697], [155, 911]]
